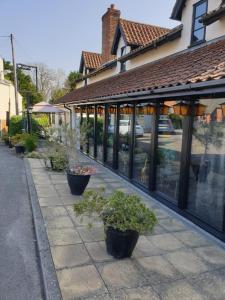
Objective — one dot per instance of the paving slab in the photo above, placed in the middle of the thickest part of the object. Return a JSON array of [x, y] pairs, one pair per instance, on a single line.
[[59, 222], [80, 282], [70, 256], [210, 284], [191, 238], [157, 269], [165, 242], [141, 293], [213, 255], [145, 247], [121, 274], [97, 251], [180, 290], [91, 234], [63, 236], [187, 262]]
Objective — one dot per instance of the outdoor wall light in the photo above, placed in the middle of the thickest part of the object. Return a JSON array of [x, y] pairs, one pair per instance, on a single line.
[[223, 108], [200, 109], [77, 110], [126, 110], [91, 110], [148, 109], [112, 109], [181, 108], [100, 110], [164, 109], [30, 109]]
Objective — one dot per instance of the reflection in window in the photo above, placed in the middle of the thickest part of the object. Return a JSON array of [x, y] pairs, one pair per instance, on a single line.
[[91, 130], [168, 153], [198, 30], [126, 112], [143, 127], [83, 129], [99, 131], [206, 197], [110, 134]]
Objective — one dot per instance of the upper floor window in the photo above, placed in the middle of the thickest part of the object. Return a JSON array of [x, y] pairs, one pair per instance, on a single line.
[[198, 29], [123, 63]]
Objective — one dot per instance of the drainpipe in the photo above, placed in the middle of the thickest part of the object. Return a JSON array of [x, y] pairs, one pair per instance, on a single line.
[[70, 110]]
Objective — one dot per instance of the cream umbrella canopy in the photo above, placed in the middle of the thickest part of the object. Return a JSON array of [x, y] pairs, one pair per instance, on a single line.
[[46, 108]]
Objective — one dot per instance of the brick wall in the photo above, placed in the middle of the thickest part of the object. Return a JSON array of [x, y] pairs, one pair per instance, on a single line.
[[109, 23]]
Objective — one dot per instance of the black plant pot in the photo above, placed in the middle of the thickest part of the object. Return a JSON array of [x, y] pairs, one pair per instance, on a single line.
[[19, 149], [120, 244], [77, 183], [10, 144]]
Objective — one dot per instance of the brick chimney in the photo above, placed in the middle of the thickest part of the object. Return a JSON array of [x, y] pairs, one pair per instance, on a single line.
[[109, 23]]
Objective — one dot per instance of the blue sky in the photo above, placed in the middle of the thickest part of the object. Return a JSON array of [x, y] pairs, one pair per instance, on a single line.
[[56, 31]]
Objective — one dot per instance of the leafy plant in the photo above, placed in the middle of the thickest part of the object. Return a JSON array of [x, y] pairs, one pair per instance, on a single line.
[[18, 139], [34, 154], [5, 137], [56, 157], [119, 210], [30, 142], [18, 125], [80, 170]]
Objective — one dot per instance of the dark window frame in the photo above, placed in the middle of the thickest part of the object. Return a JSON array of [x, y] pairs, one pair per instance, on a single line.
[[122, 63], [193, 30]]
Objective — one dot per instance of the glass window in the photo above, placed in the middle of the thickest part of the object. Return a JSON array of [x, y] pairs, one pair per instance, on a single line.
[[99, 131], [83, 129], [91, 130], [198, 30], [125, 126], [206, 197], [110, 134], [123, 63], [170, 131], [142, 143]]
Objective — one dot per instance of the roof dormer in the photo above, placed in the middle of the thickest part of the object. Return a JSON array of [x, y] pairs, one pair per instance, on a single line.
[[136, 34]]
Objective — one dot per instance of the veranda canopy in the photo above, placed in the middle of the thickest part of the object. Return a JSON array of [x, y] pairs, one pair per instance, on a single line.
[[47, 108]]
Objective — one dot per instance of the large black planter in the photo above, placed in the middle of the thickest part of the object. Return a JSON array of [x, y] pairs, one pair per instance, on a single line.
[[19, 149], [77, 183], [10, 144], [120, 244]]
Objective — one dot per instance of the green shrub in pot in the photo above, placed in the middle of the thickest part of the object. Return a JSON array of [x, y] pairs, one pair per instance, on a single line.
[[125, 217], [30, 142], [55, 157]]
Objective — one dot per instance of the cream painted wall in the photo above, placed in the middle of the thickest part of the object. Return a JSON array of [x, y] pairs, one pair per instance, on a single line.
[[213, 31], [102, 75], [7, 96]]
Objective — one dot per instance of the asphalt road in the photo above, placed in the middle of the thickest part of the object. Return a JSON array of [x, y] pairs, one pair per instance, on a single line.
[[19, 268]]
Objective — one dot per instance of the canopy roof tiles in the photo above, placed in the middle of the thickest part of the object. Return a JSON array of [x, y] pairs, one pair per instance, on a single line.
[[200, 65]]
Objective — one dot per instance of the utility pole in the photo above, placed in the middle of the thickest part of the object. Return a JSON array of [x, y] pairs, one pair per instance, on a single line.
[[15, 75]]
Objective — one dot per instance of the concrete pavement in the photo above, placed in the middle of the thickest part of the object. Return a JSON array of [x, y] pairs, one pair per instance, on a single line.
[[19, 267]]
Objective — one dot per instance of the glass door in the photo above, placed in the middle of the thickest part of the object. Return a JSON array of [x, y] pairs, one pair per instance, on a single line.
[[124, 143], [142, 144], [206, 197], [170, 132], [111, 131], [99, 131]]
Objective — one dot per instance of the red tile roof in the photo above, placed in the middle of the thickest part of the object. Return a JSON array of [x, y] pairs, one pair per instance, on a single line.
[[92, 60], [202, 64], [139, 34]]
